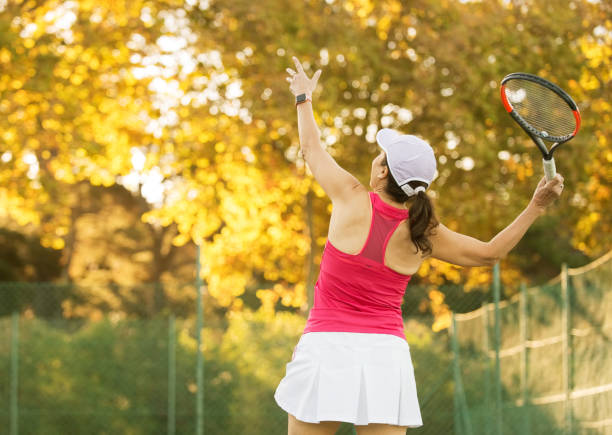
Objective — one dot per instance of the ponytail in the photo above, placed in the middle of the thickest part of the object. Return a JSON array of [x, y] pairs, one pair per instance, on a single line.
[[422, 219]]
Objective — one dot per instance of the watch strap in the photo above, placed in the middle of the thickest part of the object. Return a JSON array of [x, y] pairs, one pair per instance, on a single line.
[[302, 98]]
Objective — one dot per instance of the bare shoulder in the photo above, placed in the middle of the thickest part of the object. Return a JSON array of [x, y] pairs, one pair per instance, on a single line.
[[350, 220], [355, 202]]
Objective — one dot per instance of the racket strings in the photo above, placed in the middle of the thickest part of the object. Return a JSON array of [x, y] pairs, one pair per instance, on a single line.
[[542, 108]]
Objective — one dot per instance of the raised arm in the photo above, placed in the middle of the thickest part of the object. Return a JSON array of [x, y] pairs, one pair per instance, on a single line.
[[337, 183], [463, 250]]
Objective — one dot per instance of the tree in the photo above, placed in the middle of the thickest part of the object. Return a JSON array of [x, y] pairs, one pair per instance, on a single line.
[[186, 105]]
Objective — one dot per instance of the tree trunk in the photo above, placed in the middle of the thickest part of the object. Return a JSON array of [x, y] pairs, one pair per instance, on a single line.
[[310, 275]]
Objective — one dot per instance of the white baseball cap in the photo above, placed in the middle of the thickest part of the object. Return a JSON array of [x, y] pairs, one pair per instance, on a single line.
[[409, 158]]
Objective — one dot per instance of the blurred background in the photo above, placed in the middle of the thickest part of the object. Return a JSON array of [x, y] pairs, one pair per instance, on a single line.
[[150, 165]]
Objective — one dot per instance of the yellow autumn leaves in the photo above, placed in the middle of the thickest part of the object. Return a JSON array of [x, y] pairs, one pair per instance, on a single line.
[[76, 103]]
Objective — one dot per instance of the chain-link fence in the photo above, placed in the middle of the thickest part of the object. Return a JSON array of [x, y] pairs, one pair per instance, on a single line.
[[109, 374], [540, 362]]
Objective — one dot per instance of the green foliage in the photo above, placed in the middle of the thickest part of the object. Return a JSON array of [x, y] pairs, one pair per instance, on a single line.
[[22, 258], [107, 377], [111, 376]]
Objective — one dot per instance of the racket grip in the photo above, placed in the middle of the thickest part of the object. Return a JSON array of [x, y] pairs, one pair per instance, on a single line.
[[549, 168]]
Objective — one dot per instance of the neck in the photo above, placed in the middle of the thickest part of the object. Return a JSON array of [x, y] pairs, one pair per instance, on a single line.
[[380, 190]]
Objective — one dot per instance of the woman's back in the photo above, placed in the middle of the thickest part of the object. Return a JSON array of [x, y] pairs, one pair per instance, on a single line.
[[349, 228], [356, 290]]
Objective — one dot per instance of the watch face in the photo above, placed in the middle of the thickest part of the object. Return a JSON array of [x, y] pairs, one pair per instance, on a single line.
[[301, 97]]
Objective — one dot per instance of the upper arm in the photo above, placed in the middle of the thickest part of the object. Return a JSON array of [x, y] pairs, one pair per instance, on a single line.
[[337, 183], [459, 249]]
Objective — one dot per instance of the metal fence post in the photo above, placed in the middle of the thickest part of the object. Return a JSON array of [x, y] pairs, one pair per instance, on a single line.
[[487, 357], [498, 389], [199, 358], [457, 424], [14, 373], [524, 360], [465, 425], [567, 352], [171, 376]]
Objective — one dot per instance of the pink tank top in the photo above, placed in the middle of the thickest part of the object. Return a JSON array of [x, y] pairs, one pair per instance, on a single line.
[[358, 293]]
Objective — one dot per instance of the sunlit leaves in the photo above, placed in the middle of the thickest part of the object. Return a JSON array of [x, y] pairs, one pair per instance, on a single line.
[[593, 229], [72, 118], [124, 92]]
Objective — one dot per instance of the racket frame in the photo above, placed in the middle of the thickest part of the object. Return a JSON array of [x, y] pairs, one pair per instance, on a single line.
[[536, 135]]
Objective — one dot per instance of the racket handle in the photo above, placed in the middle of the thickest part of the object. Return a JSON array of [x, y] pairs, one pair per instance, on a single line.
[[549, 168]]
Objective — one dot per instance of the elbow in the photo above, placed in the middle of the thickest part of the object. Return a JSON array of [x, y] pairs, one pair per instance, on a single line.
[[490, 257], [491, 261], [307, 146]]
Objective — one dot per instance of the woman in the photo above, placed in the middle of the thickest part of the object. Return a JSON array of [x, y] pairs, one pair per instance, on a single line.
[[352, 363]]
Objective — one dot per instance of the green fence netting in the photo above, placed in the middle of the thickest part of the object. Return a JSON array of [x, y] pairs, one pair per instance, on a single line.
[[538, 363], [550, 371]]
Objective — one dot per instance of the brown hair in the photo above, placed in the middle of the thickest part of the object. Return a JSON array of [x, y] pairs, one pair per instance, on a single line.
[[422, 219]]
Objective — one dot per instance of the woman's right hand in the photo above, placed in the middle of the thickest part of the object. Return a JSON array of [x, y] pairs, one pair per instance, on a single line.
[[547, 191], [300, 83]]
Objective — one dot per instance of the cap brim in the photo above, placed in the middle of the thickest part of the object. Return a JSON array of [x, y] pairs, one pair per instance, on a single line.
[[385, 136]]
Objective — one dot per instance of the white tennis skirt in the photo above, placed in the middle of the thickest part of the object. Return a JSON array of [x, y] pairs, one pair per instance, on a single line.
[[354, 377]]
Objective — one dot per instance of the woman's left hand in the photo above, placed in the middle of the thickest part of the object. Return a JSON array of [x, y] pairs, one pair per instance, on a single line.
[[300, 83], [547, 191]]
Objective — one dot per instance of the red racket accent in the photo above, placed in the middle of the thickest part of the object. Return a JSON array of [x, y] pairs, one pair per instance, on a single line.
[[577, 117], [505, 99]]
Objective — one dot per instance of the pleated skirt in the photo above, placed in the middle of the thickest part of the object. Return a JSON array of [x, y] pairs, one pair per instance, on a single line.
[[360, 378]]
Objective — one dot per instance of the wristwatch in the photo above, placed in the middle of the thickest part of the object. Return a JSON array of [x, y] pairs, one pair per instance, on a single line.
[[302, 98]]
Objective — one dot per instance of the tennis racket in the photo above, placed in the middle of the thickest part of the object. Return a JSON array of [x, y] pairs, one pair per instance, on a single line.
[[544, 110]]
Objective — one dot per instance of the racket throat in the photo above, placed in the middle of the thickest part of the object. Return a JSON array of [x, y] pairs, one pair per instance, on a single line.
[[543, 149], [548, 161], [553, 148]]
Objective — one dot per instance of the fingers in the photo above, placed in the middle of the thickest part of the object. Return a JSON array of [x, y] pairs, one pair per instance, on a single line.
[[557, 181], [548, 191], [301, 75], [298, 65], [554, 186], [299, 68]]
